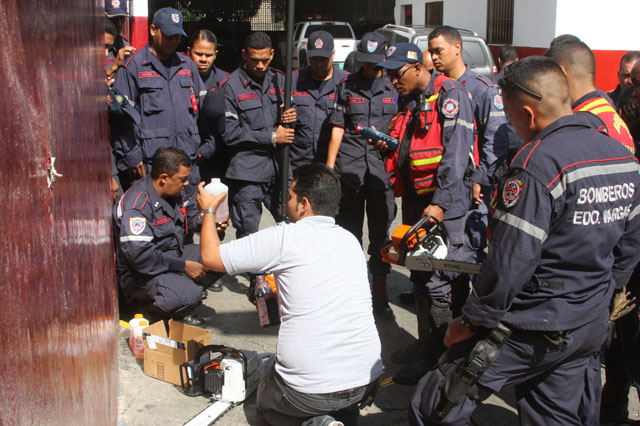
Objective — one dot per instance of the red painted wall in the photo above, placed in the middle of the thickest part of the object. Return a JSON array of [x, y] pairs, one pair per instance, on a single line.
[[607, 63], [58, 310]]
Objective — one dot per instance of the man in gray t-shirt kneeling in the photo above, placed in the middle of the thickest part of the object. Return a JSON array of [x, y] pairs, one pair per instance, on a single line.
[[328, 344]]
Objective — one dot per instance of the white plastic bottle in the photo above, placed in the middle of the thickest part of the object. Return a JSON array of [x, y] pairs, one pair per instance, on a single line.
[[138, 342], [132, 324], [217, 187]]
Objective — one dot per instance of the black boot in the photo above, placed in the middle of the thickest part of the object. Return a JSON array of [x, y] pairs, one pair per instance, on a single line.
[[381, 308]]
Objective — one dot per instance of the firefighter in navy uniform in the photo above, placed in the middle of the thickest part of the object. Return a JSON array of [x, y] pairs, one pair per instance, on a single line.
[[579, 65], [314, 94], [445, 46], [368, 99], [165, 87], [432, 172], [212, 156], [254, 95], [564, 235], [151, 221]]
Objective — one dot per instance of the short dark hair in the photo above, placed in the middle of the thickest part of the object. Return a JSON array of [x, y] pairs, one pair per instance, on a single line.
[[449, 33], [109, 28], [508, 54], [320, 184], [629, 110], [631, 56], [563, 38], [203, 34], [258, 40], [538, 76], [168, 160], [574, 56]]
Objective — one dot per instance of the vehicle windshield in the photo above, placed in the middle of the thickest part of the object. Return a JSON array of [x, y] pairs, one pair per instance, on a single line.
[[337, 31]]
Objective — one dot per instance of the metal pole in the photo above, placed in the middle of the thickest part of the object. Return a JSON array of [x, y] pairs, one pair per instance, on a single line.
[[284, 172]]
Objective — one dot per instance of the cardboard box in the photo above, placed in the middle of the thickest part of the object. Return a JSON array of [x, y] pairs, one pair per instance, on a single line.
[[165, 352]]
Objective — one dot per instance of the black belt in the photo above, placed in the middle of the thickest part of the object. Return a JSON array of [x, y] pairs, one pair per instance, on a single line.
[[537, 283]]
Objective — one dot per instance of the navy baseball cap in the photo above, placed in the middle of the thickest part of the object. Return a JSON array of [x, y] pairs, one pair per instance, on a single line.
[[113, 8], [169, 21], [400, 54], [371, 48], [320, 44]]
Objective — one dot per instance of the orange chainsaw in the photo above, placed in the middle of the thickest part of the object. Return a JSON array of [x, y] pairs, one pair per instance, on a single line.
[[424, 247]]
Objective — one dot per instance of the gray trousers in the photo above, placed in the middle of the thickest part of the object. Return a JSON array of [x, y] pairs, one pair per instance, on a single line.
[[283, 406]]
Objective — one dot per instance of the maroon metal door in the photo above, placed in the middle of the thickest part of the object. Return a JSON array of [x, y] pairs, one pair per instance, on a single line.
[[58, 310]]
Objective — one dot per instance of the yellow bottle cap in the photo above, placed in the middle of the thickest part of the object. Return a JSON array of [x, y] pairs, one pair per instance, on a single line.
[[138, 316]]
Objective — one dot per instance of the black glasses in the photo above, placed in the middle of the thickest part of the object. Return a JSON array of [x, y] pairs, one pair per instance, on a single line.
[[397, 76], [509, 82]]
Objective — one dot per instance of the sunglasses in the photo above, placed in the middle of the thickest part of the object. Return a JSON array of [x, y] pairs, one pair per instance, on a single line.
[[509, 82], [398, 75]]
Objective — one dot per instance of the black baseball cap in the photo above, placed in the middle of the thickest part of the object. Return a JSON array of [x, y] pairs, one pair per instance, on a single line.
[[371, 48], [113, 8], [169, 21], [320, 44], [400, 54]]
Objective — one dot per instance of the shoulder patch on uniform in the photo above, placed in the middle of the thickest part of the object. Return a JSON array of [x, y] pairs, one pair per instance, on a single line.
[[450, 108], [485, 80], [137, 225], [497, 102], [511, 191]]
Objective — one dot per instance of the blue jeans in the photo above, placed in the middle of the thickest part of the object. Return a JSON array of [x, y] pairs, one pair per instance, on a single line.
[[281, 405]]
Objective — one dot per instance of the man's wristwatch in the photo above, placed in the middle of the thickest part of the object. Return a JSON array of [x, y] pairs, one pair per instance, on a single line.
[[274, 138], [205, 211]]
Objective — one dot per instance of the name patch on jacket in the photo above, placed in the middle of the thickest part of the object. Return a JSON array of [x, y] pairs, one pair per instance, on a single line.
[[148, 74], [273, 91], [297, 93], [185, 72], [246, 96], [355, 100], [161, 221], [388, 101]]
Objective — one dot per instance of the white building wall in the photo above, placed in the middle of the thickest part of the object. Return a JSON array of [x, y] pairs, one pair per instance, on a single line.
[[603, 25], [468, 14], [534, 22], [610, 25]]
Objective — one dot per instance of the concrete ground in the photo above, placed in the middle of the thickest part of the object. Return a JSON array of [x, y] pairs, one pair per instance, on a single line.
[[233, 321]]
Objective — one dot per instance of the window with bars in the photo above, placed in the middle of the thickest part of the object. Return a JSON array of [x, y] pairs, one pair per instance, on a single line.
[[407, 15], [433, 13], [500, 21]]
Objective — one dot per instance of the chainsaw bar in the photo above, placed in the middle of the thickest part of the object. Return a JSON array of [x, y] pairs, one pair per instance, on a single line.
[[421, 261]]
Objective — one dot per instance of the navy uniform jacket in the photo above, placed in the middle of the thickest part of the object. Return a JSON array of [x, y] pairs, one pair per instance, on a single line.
[[252, 114], [453, 193], [215, 78], [165, 98], [314, 106], [211, 123], [368, 103], [151, 232], [493, 135], [564, 232]]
